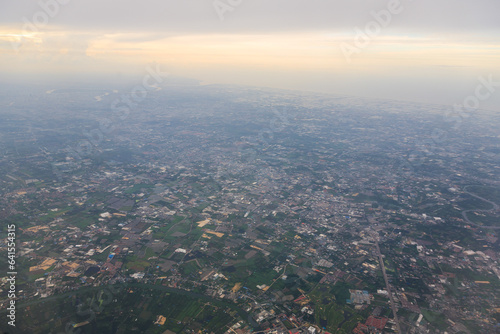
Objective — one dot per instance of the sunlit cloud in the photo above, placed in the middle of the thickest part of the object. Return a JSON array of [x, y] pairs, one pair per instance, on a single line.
[[298, 49]]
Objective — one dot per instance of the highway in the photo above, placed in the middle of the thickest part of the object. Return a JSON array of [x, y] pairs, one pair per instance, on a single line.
[[388, 288], [493, 209]]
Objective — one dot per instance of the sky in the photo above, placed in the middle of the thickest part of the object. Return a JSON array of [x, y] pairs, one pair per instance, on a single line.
[[421, 50]]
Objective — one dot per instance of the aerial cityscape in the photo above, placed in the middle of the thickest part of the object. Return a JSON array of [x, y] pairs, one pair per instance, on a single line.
[[237, 209], [249, 167]]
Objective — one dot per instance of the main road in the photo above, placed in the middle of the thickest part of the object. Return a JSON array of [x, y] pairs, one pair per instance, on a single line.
[[493, 209], [388, 288]]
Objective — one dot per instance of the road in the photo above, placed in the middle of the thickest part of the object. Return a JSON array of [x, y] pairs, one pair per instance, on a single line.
[[393, 305], [284, 271], [494, 208]]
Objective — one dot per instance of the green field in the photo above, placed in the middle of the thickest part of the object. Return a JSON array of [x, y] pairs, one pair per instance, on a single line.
[[129, 308], [489, 193]]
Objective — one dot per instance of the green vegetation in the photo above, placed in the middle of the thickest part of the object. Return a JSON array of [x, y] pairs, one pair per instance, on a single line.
[[489, 193], [138, 188], [438, 320], [190, 267], [136, 264], [132, 309]]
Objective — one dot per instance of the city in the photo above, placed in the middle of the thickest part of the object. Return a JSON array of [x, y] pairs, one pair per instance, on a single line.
[[236, 209]]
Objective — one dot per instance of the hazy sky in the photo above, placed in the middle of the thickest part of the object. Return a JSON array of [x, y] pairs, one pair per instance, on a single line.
[[422, 50]]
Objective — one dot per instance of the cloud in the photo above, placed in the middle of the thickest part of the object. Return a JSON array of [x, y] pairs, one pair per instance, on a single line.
[[427, 50], [253, 16]]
